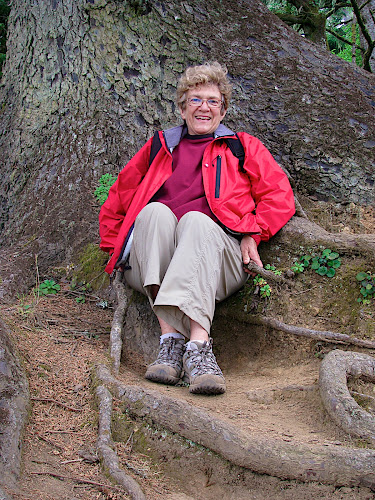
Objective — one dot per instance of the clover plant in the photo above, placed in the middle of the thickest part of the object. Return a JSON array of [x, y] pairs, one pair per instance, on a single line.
[[261, 285], [367, 283], [48, 287], [324, 264], [105, 183]]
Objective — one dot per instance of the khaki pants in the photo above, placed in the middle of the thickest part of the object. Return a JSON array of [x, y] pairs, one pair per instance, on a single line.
[[193, 260]]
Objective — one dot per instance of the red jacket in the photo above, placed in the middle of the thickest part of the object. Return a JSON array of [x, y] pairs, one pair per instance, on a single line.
[[259, 201]]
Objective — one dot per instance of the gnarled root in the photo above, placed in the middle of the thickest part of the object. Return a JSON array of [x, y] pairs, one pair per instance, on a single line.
[[115, 346], [105, 449], [336, 367], [300, 331], [326, 464]]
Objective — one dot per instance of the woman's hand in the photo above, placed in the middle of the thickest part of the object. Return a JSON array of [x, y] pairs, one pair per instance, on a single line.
[[249, 252]]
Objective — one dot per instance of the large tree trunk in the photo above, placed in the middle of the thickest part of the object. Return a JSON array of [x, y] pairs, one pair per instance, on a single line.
[[86, 82]]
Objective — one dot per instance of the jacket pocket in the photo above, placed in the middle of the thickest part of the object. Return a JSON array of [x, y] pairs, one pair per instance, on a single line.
[[218, 177]]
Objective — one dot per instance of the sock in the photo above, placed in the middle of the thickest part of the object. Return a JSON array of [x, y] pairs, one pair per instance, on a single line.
[[195, 344], [168, 335]]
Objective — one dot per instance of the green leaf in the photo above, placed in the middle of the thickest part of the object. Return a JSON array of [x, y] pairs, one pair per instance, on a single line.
[[298, 267], [336, 263], [322, 271], [331, 272], [315, 265], [326, 252], [362, 276], [332, 256], [265, 291]]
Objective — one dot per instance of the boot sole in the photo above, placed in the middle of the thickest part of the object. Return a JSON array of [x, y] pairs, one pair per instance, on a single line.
[[162, 378], [205, 389]]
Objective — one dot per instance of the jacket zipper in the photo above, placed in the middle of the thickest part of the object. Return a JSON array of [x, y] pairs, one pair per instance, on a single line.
[[218, 177]]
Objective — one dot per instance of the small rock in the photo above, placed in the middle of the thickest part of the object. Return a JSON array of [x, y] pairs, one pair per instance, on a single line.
[[89, 456]]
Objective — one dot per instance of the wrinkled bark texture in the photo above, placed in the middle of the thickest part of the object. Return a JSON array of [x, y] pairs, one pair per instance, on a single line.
[[335, 369], [86, 82]]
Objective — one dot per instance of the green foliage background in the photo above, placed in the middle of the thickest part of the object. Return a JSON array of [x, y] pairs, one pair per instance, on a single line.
[[339, 22], [4, 13]]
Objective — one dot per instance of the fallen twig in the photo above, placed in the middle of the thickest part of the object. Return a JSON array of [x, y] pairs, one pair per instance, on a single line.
[[77, 479], [48, 400], [71, 461], [63, 431], [130, 440], [50, 442], [268, 275], [315, 334]]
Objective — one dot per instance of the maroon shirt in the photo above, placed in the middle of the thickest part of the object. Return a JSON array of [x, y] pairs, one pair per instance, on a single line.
[[183, 191]]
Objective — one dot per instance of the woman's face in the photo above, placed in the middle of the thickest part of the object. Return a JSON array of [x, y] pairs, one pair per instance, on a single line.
[[203, 119]]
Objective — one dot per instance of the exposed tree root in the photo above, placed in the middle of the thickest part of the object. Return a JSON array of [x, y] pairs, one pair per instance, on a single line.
[[314, 334], [115, 346], [326, 464], [308, 234], [105, 449], [269, 275], [336, 367]]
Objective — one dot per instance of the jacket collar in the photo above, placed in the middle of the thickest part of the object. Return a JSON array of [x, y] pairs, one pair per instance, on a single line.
[[174, 135]]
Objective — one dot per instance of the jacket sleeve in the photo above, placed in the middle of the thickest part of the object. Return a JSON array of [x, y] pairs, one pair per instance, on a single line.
[[120, 196], [270, 189]]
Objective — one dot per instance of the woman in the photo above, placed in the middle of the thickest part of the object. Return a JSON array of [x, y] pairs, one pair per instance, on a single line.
[[198, 220]]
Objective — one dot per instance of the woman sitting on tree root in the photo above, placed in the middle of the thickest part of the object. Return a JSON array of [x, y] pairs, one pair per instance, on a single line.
[[193, 214]]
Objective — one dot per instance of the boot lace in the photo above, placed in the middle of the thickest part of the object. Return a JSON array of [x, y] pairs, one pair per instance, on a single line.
[[202, 361], [170, 353]]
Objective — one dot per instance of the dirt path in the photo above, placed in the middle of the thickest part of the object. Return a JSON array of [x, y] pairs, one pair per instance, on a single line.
[[282, 402], [60, 341]]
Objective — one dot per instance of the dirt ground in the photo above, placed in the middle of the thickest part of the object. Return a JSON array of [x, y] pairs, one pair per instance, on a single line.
[[60, 341]]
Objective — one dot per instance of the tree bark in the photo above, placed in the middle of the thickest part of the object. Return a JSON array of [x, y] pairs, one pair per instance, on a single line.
[[336, 367], [312, 21]]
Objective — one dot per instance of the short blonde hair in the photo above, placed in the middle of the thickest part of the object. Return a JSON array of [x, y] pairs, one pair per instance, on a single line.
[[211, 73]]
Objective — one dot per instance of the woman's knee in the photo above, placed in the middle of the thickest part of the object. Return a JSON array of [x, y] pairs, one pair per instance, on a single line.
[[154, 211], [196, 220]]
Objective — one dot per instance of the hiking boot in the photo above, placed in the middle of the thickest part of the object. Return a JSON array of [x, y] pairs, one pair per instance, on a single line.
[[201, 369], [167, 367]]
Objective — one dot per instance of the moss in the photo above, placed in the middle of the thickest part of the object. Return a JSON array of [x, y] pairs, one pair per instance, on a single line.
[[90, 267], [122, 427]]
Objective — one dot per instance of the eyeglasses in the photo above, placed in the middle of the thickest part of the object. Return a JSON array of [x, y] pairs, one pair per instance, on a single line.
[[196, 102]]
